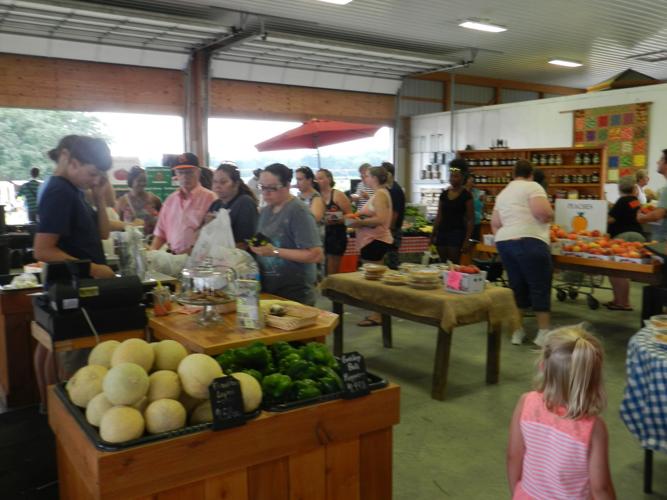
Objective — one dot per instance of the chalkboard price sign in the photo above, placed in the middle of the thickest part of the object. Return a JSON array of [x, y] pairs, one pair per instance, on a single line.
[[226, 403], [355, 379]]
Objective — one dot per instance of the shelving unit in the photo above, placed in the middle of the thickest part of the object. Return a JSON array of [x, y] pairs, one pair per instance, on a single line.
[[569, 172]]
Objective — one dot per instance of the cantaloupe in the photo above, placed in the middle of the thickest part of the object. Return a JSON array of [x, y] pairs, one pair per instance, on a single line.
[[141, 405], [197, 371], [120, 424], [85, 384], [164, 415], [102, 352], [164, 384], [126, 384], [136, 351], [168, 354], [250, 390], [188, 402], [97, 407], [202, 414]]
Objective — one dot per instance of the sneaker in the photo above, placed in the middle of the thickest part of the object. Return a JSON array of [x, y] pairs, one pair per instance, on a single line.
[[541, 337], [518, 336]]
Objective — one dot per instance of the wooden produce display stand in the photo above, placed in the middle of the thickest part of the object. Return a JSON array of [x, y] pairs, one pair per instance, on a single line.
[[336, 450], [18, 384], [218, 337]]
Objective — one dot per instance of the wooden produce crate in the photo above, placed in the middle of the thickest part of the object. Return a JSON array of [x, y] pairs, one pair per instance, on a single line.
[[339, 450]]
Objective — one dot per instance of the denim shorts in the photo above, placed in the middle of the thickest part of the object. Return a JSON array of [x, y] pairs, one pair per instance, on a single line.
[[529, 269]]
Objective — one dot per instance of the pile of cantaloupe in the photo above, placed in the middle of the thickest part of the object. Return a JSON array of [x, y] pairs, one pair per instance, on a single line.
[[134, 387]]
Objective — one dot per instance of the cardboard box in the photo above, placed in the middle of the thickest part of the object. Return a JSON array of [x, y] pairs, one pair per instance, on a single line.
[[457, 282], [158, 177]]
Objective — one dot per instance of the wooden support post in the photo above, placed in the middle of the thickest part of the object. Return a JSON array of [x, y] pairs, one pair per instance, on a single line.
[[648, 471], [386, 331], [197, 81], [441, 364], [493, 338], [338, 331]]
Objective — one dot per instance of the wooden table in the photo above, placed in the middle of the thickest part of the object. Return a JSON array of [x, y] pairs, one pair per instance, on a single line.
[[644, 273], [340, 450], [436, 307], [18, 383], [219, 337], [653, 296]]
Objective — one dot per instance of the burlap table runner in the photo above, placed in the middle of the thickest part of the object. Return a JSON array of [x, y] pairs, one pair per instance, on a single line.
[[495, 305]]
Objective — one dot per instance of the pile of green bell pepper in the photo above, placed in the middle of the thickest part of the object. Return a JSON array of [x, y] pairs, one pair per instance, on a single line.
[[287, 372]]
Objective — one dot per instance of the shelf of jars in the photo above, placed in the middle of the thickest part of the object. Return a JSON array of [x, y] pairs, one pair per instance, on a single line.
[[572, 173]]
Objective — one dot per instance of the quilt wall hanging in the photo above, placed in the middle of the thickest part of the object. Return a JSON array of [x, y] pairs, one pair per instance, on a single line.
[[623, 130]]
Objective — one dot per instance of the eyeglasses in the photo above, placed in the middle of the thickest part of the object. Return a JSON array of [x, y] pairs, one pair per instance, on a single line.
[[270, 189]]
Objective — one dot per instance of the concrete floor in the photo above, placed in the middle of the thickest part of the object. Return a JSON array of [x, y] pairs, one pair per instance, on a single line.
[[456, 448]]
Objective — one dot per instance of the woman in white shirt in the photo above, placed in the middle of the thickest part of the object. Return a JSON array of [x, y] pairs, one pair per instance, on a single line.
[[520, 224]]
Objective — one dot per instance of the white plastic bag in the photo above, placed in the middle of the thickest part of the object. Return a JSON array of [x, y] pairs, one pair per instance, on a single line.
[[213, 238], [166, 263]]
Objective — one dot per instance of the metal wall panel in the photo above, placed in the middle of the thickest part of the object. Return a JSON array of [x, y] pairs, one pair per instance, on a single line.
[[467, 96], [511, 95]]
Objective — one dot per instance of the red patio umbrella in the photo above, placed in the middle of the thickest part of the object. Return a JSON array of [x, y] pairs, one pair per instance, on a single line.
[[315, 133]]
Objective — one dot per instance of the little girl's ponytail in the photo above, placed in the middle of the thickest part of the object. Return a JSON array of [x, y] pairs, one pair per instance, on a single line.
[[571, 374]]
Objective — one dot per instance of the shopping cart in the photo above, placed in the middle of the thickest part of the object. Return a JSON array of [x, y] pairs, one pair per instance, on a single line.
[[572, 283]]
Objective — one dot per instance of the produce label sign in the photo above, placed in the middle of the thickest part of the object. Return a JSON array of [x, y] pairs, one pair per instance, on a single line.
[[581, 215], [622, 129], [355, 378], [226, 403]]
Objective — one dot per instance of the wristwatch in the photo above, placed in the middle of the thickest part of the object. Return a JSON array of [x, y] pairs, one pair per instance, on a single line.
[[276, 252]]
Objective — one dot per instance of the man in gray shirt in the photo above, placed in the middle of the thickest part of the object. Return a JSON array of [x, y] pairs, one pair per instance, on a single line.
[[288, 262]]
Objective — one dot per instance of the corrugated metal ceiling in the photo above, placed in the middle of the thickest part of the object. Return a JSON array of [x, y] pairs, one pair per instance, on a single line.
[[604, 35]]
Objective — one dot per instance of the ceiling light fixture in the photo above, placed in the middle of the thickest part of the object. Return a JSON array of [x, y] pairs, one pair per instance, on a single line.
[[337, 2], [482, 26], [565, 62]]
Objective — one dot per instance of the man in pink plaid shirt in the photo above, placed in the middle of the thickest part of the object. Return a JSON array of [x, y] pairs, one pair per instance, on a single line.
[[182, 213]]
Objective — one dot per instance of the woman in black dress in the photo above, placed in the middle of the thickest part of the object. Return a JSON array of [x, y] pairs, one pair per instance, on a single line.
[[456, 216]]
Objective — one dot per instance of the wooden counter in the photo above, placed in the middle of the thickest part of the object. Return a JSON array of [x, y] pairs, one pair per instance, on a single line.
[[340, 450], [216, 338], [17, 376]]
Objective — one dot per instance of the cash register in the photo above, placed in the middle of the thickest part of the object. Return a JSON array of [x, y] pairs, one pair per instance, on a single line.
[[74, 304]]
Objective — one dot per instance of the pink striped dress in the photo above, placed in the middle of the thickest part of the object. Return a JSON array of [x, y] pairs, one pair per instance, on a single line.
[[555, 464]]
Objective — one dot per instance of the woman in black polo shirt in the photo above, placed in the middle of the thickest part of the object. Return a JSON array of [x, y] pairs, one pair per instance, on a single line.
[[70, 229], [239, 199]]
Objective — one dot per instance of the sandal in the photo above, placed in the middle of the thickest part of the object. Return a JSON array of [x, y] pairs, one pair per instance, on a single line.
[[615, 307], [369, 322]]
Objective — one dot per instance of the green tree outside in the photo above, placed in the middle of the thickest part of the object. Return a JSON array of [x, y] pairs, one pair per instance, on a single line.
[[26, 135]]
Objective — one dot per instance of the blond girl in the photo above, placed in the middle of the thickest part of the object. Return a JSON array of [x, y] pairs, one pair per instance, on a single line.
[[558, 442]]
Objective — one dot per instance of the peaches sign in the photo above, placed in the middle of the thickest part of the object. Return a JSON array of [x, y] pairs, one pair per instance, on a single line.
[[581, 215]]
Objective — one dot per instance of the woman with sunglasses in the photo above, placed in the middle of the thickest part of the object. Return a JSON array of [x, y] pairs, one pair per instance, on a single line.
[[288, 262], [235, 196], [337, 206], [454, 221]]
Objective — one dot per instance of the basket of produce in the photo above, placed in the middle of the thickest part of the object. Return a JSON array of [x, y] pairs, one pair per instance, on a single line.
[[133, 393], [291, 374]]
